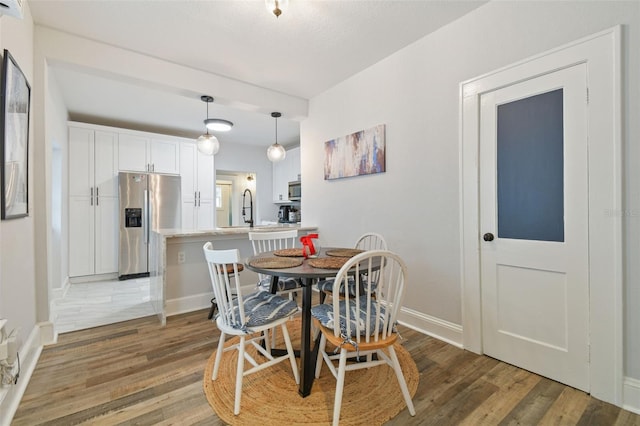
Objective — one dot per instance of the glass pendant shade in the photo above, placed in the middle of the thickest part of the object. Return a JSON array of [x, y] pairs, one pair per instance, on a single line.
[[208, 144], [276, 152]]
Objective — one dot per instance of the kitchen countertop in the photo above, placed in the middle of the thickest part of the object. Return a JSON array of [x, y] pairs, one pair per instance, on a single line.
[[231, 230]]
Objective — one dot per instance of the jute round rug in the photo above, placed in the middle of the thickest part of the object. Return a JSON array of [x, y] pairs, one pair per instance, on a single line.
[[270, 397]]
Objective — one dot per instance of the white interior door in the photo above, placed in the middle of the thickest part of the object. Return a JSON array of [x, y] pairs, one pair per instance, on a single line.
[[534, 225]]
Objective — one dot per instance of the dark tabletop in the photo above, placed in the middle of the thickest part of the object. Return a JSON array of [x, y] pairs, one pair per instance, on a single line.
[[303, 271]]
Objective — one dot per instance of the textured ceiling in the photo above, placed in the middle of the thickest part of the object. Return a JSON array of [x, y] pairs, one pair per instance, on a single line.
[[311, 47]]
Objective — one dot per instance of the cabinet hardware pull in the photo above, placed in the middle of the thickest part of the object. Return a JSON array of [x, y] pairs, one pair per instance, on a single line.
[[91, 202], [195, 199], [97, 197]]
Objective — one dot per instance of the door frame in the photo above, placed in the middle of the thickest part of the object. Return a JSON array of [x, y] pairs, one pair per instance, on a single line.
[[601, 52]]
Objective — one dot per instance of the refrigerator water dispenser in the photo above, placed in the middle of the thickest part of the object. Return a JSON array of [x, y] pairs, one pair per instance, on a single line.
[[133, 218]]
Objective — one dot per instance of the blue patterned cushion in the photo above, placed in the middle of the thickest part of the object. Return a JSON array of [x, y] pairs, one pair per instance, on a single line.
[[324, 314], [326, 286], [261, 308], [283, 284]]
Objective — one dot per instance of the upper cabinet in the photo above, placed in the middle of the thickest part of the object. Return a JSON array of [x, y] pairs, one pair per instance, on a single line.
[[139, 153], [285, 171], [93, 162], [198, 188]]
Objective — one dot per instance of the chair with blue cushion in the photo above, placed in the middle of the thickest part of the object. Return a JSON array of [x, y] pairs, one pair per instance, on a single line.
[[368, 241], [251, 317], [364, 324], [263, 241]]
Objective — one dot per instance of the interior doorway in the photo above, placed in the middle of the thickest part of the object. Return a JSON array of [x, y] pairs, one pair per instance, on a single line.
[[534, 220], [223, 203], [599, 54]]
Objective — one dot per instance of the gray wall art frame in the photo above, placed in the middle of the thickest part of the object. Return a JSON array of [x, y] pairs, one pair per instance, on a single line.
[[15, 105], [360, 153]]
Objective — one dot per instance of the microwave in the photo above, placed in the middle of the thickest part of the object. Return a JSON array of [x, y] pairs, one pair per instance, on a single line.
[[295, 191]]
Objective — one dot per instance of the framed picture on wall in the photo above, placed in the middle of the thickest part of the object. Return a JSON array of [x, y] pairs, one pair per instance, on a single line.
[[15, 103], [360, 153]]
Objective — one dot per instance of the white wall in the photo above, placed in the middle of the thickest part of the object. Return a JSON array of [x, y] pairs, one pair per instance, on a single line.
[[56, 117], [415, 92], [17, 258]]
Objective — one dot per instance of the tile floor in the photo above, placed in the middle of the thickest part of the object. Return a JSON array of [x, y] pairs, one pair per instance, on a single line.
[[91, 304]]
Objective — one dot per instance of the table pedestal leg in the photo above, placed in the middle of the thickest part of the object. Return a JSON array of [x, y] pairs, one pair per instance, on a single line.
[[308, 355]]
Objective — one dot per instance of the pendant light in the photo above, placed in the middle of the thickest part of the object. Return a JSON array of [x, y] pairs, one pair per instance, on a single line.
[[208, 144], [276, 151]]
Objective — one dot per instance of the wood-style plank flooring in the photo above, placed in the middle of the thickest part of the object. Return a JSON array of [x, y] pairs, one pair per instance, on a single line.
[[137, 372]]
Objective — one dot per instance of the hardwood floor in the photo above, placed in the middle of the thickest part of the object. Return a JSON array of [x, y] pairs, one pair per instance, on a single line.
[[137, 372]]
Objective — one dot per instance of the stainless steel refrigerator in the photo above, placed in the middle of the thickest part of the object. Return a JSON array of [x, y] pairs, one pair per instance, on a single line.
[[148, 201]]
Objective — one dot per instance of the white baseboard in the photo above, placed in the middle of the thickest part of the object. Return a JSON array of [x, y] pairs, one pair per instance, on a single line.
[[196, 302], [631, 395], [29, 353], [187, 304], [432, 326], [94, 278]]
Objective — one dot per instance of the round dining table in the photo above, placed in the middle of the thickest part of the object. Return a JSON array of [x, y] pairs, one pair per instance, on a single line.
[[308, 276]]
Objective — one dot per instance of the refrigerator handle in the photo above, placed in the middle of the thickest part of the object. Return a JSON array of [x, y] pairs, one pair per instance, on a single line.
[[146, 217], [91, 201]]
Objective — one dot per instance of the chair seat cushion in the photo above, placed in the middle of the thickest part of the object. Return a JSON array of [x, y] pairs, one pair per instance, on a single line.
[[326, 286], [284, 284], [262, 308], [324, 314]]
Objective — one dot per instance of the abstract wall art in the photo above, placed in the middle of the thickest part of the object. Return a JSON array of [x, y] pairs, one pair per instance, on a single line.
[[360, 153]]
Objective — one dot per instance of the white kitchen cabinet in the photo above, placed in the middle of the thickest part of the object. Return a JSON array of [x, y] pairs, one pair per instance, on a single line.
[[285, 171], [93, 202], [198, 188], [140, 153]]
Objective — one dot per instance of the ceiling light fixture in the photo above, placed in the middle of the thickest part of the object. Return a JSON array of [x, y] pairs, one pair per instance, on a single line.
[[276, 151], [207, 144], [276, 6], [218, 124]]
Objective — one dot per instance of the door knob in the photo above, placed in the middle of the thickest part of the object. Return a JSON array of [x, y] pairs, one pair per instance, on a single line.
[[488, 236]]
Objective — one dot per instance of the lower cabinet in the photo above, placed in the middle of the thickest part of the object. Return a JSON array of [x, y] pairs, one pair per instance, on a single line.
[[198, 216], [93, 235]]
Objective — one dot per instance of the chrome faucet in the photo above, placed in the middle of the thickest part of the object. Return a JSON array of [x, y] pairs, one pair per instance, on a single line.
[[250, 221]]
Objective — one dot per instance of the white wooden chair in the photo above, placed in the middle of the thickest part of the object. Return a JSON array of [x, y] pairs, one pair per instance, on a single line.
[[368, 241], [371, 241], [251, 317], [263, 241], [363, 325]]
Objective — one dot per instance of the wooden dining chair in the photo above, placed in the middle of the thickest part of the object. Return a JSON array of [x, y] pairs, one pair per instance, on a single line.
[[368, 241], [251, 317], [263, 241], [214, 305], [363, 325]]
